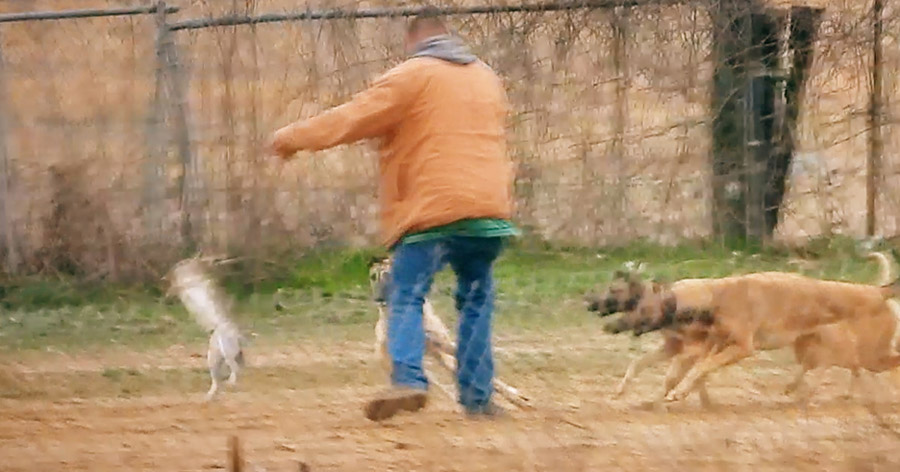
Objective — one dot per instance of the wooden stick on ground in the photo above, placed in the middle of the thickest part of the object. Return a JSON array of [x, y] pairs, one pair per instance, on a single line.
[[234, 452]]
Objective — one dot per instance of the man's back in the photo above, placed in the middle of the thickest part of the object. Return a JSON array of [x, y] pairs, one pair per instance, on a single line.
[[445, 159]]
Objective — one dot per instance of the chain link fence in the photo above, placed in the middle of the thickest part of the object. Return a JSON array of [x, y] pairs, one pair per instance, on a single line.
[[130, 136], [157, 128]]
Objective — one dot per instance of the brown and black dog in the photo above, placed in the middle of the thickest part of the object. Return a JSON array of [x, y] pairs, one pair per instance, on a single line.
[[709, 323], [683, 343]]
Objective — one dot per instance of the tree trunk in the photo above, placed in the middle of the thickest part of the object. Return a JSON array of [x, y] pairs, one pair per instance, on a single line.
[[754, 118]]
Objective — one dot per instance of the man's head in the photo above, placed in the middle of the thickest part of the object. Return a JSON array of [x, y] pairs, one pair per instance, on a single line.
[[427, 24]]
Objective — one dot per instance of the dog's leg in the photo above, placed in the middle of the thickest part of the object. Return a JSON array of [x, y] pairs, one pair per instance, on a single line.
[[806, 389], [442, 348], [436, 350], [679, 367], [871, 386], [228, 350], [852, 383], [381, 351], [726, 356], [214, 362], [797, 382], [448, 391], [443, 352], [895, 378], [705, 402], [512, 394], [213, 389], [659, 355], [677, 370], [439, 345], [233, 367]]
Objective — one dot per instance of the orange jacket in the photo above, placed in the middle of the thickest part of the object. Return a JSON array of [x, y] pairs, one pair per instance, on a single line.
[[443, 146]]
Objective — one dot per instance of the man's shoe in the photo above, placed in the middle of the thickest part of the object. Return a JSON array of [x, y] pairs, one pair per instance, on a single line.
[[395, 400], [489, 411]]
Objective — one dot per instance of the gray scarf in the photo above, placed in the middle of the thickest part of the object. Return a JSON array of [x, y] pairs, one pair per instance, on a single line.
[[446, 47]]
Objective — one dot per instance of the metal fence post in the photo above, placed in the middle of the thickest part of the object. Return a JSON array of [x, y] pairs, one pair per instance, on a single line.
[[157, 138], [620, 124], [7, 227], [876, 141], [190, 183]]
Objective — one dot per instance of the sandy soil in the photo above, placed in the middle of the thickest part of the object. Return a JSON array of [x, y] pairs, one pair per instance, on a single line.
[[144, 411]]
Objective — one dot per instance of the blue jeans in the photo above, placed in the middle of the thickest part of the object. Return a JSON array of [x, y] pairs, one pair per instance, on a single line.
[[414, 266]]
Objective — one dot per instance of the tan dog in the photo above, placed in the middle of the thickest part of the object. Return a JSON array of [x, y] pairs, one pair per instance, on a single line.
[[867, 342], [858, 344], [770, 310], [438, 342]]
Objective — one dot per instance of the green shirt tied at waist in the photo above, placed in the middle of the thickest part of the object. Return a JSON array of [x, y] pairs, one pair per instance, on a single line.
[[476, 227]]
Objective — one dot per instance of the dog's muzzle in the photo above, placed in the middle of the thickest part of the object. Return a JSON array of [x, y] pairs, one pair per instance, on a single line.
[[604, 307], [615, 327], [601, 306], [643, 328]]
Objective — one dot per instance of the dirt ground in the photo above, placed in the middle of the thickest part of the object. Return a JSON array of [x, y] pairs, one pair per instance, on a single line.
[[119, 410]]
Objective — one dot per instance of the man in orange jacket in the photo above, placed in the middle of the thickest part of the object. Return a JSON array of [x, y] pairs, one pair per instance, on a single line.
[[445, 192]]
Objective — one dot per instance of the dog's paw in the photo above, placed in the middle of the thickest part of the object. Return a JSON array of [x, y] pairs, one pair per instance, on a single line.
[[211, 393], [793, 388], [676, 395], [656, 406]]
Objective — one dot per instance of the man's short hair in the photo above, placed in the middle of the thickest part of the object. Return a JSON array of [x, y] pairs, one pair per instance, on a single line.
[[428, 19]]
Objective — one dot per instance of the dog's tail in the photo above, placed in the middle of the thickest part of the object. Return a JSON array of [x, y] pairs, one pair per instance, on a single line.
[[887, 279], [885, 268]]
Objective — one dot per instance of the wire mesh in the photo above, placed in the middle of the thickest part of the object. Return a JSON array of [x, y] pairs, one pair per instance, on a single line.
[[610, 131]]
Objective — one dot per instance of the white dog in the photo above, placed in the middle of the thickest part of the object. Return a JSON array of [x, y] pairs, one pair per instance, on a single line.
[[200, 295]]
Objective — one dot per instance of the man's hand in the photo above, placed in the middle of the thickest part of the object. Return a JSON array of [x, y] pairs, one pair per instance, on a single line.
[[279, 146]]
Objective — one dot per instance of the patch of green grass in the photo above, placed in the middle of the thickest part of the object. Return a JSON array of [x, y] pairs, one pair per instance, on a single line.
[[329, 271], [140, 323], [36, 292], [325, 294], [115, 374]]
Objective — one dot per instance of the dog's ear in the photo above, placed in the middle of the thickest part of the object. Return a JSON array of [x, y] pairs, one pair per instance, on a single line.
[[628, 276], [374, 260], [660, 284], [620, 274], [635, 284]]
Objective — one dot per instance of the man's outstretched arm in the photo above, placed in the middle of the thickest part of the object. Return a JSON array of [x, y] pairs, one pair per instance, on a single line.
[[369, 114]]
